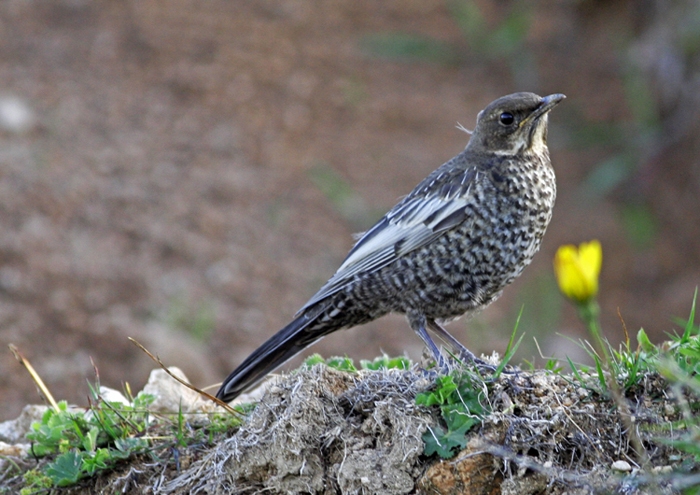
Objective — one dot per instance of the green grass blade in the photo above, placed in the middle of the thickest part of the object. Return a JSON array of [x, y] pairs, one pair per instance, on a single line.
[[575, 371], [512, 345], [690, 324]]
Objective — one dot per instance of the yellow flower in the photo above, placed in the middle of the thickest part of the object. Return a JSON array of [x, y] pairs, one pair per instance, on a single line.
[[577, 270]]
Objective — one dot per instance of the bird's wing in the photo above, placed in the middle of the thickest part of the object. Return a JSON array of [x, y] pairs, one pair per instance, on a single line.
[[413, 223]]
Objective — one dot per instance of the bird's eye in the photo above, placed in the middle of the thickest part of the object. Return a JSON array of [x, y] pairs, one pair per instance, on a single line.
[[506, 118]]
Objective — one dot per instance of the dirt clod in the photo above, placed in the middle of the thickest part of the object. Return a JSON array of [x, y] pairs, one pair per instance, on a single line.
[[323, 431]]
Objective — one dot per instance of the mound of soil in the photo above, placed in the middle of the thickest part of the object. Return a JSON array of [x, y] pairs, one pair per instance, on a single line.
[[324, 431]]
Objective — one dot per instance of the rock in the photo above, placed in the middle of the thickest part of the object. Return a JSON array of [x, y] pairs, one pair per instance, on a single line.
[[16, 450], [170, 395], [112, 395], [621, 466], [14, 430]]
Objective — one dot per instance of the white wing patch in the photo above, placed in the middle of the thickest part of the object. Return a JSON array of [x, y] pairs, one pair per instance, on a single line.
[[408, 226]]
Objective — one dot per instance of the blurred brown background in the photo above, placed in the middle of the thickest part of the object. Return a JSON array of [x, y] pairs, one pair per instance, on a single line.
[[189, 173]]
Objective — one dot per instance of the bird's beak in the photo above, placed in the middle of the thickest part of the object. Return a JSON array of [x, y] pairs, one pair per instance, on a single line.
[[547, 103]]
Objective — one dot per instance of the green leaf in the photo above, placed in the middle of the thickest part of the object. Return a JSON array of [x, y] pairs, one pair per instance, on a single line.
[[601, 375], [690, 325], [96, 462], [386, 362], [341, 363], [65, 470], [441, 394], [127, 446], [553, 365], [143, 400], [313, 360], [436, 443], [457, 438], [443, 443], [90, 439], [575, 371], [460, 410], [431, 440], [644, 341], [427, 399], [458, 418]]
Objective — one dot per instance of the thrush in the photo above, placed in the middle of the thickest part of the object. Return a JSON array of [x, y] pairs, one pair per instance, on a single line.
[[448, 248]]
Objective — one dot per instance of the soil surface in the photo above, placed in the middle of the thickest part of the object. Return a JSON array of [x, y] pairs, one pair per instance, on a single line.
[[323, 431], [189, 173]]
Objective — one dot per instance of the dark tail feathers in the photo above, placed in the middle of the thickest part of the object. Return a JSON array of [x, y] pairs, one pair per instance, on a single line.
[[282, 346]]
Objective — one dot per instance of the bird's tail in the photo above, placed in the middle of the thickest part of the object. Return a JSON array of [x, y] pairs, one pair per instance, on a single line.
[[284, 345]]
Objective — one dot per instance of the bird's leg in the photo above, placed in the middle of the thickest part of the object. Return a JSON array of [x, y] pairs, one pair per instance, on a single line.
[[464, 353], [418, 323]]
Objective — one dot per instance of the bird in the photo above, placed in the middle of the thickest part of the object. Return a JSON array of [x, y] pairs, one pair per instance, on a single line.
[[446, 249]]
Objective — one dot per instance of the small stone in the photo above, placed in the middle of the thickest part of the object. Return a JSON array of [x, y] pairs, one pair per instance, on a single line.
[[17, 450], [112, 395], [170, 395], [582, 393], [662, 469], [621, 466], [13, 431], [669, 410], [542, 385]]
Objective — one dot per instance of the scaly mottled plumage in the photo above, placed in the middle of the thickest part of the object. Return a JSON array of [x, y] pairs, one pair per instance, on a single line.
[[446, 249]]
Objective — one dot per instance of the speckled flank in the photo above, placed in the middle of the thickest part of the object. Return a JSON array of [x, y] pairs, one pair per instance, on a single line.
[[466, 267]]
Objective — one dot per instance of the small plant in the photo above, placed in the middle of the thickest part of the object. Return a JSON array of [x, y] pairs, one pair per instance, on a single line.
[[458, 397], [85, 443], [577, 270], [35, 482], [79, 444], [679, 363], [335, 362], [347, 364], [385, 362], [617, 371], [626, 364]]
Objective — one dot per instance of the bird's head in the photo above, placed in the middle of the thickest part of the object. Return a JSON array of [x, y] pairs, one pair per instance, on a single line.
[[513, 124]]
